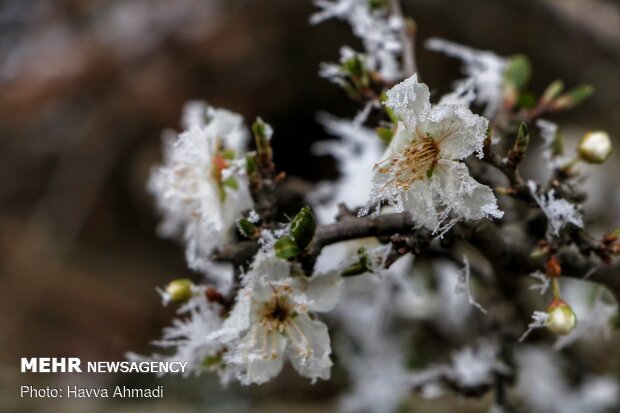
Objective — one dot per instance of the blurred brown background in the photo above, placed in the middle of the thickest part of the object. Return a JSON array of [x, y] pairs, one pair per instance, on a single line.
[[86, 86]]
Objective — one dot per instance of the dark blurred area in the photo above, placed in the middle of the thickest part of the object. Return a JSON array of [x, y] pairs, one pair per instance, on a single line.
[[87, 86]]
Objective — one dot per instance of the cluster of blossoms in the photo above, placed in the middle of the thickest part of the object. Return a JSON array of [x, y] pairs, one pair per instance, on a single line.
[[414, 167]]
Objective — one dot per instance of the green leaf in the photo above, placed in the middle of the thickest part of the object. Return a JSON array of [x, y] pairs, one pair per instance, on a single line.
[[518, 71], [286, 248], [303, 227], [553, 90], [573, 97], [231, 183]]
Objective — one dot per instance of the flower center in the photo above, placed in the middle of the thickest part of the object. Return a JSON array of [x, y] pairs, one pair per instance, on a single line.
[[276, 312], [415, 162]]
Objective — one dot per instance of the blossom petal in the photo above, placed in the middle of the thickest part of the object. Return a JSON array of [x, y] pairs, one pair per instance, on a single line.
[[259, 355], [309, 348], [410, 100], [458, 131], [465, 197], [422, 204], [323, 291]]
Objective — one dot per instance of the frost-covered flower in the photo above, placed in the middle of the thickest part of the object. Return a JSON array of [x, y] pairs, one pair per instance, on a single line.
[[559, 211], [420, 172], [378, 30], [188, 336], [272, 321], [200, 188], [485, 76]]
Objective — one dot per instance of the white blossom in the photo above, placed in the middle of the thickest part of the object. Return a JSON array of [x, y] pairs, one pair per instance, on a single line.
[[378, 30], [200, 189], [485, 76], [271, 321], [188, 337], [420, 172], [559, 211]]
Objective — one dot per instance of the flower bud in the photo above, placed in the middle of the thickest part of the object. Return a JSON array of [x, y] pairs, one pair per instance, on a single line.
[[595, 147], [179, 291], [561, 318]]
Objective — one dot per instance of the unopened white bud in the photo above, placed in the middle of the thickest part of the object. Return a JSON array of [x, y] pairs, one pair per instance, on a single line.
[[595, 147], [561, 318]]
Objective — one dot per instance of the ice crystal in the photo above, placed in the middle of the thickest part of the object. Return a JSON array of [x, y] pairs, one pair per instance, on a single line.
[[464, 285], [378, 30], [559, 211], [485, 76]]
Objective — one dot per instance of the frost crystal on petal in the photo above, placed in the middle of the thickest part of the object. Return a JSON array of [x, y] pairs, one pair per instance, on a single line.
[[559, 212], [485, 76], [200, 190]]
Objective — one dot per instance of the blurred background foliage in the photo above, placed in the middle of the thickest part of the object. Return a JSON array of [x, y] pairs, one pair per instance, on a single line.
[[87, 86]]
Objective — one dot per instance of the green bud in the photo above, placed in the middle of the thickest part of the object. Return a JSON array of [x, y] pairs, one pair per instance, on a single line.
[[212, 361], [573, 97], [361, 266], [286, 248], [179, 291], [250, 163], [303, 227], [523, 139], [552, 91], [247, 228], [262, 134]]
